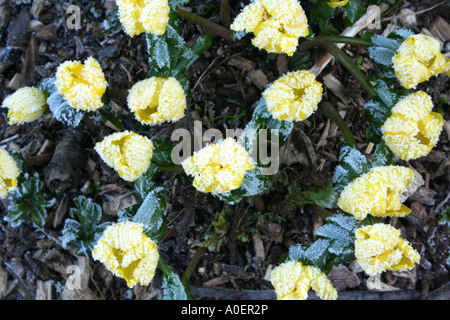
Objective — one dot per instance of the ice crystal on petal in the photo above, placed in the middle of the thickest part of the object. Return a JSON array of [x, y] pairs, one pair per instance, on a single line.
[[138, 16], [81, 85], [294, 96], [9, 172], [127, 152], [276, 25], [379, 248], [220, 167], [418, 58], [292, 281], [377, 193], [156, 100], [25, 105], [128, 253], [413, 130]]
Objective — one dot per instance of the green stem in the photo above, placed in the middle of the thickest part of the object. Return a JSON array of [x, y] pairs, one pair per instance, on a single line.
[[331, 112], [162, 265], [169, 168], [350, 66], [214, 27], [225, 12], [305, 45]]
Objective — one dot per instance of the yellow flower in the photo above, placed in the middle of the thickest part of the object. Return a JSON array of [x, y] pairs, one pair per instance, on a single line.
[[138, 16], [276, 25], [418, 58], [219, 167], [412, 130], [377, 192], [82, 85], [126, 152], [292, 281], [128, 253], [156, 100], [9, 172], [336, 4], [25, 105], [294, 96], [379, 248]]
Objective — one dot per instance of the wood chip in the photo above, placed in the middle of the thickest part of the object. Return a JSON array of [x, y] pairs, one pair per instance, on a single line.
[[258, 78], [342, 278], [258, 246]]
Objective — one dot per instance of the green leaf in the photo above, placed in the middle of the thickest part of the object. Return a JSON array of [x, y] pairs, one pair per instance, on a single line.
[[159, 53], [382, 156], [175, 4], [84, 233], [254, 183], [163, 152], [353, 10], [352, 164], [28, 201], [146, 182], [152, 214], [325, 197], [173, 288], [299, 61]]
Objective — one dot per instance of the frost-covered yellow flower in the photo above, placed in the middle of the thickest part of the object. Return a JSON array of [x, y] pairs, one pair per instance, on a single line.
[[336, 4], [25, 105], [138, 16], [418, 58], [128, 253], [219, 167], [276, 24], [412, 130], [294, 96], [379, 247], [126, 152], [156, 100], [82, 85], [9, 172], [377, 193], [292, 281]]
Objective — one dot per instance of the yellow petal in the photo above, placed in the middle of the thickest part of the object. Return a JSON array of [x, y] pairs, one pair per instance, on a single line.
[[294, 96], [379, 248], [126, 152], [417, 59], [138, 16], [412, 130], [376, 192], [335, 4], [128, 253], [157, 100], [219, 167], [25, 105], [277, 25], [9, 172], [82, 85]]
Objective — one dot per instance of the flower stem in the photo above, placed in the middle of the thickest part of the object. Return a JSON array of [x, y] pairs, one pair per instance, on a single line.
[[305, 45], [225, 12], [350, 66], [214, 27], [330, 111], [169, 168]]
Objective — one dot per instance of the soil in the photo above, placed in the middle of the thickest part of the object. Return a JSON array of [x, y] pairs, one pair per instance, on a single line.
[[227, 80]]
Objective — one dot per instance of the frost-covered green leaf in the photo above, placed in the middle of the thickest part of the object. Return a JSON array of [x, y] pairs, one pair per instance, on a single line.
[[28, 201], [84, 232], [163, 152], [352, 164], [299, 61], [173, 288], [152, 214], [146, 182], [382, 156], [333, 245], [254, 183], [385, 48], [325, 197], [175, 4], [112, 24]]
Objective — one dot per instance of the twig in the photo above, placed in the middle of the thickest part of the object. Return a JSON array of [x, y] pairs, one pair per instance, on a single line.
[[415, 13]]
